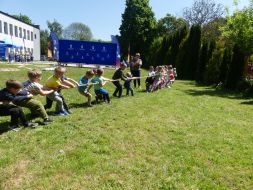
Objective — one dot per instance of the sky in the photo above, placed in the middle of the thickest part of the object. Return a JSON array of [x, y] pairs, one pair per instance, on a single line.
[[102, 16]]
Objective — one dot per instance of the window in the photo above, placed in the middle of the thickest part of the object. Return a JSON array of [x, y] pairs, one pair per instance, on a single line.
[[5, 28], [34, 36], [24, 33], [16, 31], [28, 35], [20, 32], [11, 29], [31, 36], [1, 27]]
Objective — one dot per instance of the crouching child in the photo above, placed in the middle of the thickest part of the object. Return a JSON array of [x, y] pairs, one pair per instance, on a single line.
[[8, 95]]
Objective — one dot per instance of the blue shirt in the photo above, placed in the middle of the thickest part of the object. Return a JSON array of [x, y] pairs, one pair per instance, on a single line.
[[98, 80], [5, 95], [83, 81]]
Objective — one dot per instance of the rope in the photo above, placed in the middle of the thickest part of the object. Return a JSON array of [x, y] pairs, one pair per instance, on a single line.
[[109, 80]]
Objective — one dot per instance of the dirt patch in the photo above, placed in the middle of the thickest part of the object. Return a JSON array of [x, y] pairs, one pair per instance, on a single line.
[[17, 175], [8, 69]]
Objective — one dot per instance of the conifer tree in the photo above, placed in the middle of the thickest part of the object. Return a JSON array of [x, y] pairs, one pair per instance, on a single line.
[[203, 60], [187, 59], [236, 68], [226, 61], [138, 27]]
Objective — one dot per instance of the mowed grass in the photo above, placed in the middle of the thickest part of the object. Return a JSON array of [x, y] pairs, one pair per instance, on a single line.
[[187, 137]]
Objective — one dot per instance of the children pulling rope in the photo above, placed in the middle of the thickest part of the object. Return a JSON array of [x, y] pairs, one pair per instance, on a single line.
[[162, 76]]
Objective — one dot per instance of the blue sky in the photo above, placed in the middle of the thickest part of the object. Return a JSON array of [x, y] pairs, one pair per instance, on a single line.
[[102, 16]]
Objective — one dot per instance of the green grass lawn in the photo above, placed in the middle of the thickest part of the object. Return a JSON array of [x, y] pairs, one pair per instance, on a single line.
[[187, 137]]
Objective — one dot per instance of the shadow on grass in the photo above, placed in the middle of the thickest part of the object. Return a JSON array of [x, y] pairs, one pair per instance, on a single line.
[[247, 103], [4, 127], [215, 92], [81, 105]]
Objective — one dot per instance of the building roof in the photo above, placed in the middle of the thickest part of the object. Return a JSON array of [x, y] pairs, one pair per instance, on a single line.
[[35, 26]]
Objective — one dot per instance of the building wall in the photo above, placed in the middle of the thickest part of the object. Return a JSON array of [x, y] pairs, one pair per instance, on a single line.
[[29, 41]]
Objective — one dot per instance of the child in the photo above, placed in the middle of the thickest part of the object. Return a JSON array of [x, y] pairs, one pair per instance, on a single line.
[[69, 82], [150, 79], [175, 72], [57, 82], [116, 77], [101, 82], [8, 95], [127, 84], [158, 79], [171, 76], [35, 88], [84, 90]]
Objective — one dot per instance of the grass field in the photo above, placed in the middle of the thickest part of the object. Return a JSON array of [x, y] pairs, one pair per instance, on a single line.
[[187, 137]]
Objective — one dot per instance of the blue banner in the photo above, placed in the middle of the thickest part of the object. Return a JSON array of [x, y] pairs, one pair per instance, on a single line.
[[54, 42], [116, 41], [71, 51]]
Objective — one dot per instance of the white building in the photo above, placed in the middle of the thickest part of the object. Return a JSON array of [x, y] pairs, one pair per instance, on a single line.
[[24, 38]]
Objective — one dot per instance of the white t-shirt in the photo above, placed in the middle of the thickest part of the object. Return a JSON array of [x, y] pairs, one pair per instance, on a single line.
[[151, 74], [32, 87]]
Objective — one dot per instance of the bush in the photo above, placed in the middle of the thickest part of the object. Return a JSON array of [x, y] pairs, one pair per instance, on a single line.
[[236, 69], [213, 68], [243, 86], [249, 92]]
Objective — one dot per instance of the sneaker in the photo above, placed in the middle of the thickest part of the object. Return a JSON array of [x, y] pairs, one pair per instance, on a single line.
[[15, 128], [90, 105], [47, 121], [66, 113], [69, 111], [59, 114], [31, 124]]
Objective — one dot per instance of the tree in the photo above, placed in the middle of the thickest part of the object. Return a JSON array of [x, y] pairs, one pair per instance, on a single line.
[[239, 29], [178, 37], [23, 18], [77, 31], [165, 48], [226, 61], [44, 41], [188, 58], [164, 53], [170, 24], [236, 68], [138, 27], [203, 60], [211, 31], [203, 12], [55, 27], [213, 67], [155, 48]]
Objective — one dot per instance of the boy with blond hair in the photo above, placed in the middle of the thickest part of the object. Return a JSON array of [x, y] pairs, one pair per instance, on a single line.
[[56, 83]]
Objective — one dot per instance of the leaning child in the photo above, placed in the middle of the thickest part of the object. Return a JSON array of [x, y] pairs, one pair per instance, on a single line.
[[56, 83], [85, 86], [99, 86]]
